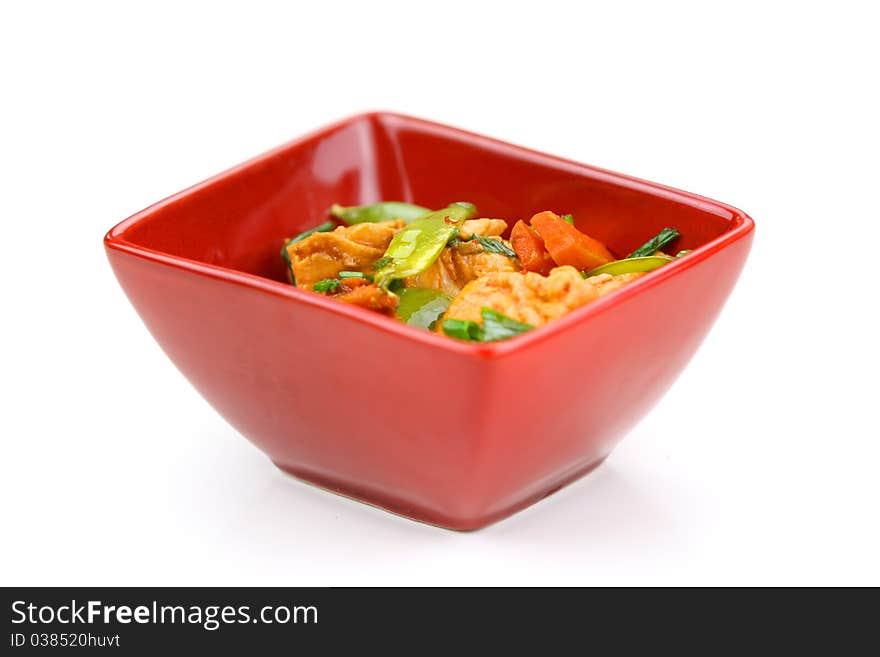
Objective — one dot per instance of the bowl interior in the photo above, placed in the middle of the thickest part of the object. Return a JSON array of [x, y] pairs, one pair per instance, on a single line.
[[240, 219]]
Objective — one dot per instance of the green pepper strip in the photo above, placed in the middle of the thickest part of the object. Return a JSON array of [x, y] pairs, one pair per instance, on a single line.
[[630, 266], [327, 226], [421, 306], [416, 247], [386, 211]]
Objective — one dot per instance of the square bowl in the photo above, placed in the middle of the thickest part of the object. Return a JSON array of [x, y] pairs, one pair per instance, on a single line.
[[450, 433]]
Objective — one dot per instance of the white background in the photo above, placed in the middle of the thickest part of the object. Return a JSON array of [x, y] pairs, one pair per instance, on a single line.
[[759, 467]]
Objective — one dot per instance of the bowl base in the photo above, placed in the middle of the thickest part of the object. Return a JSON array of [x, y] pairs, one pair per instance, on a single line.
[[429, 516]]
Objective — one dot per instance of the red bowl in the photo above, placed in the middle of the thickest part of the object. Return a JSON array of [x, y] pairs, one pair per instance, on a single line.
[[454, 434]]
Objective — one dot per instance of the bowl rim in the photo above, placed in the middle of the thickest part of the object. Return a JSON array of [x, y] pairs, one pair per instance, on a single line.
[[741, 226]]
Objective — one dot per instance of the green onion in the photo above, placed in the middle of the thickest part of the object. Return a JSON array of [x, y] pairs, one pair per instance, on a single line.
[[656, 243], [500, 327], [321, 228], [683, 252], [568, 219], [326, 285], [355, 274], [462, 329], [496, 326], [384, 261]]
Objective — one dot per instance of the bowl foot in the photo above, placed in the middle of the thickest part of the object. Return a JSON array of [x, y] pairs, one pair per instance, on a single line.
[[431, 516]]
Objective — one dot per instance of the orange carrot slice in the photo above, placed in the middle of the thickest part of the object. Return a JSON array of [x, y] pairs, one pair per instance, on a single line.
[[529, 248], [569, 246]]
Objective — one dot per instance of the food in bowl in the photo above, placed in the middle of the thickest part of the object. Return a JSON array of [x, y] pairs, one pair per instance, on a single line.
[[455, 273]]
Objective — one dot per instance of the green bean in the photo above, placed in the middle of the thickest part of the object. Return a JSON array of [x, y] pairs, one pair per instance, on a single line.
[[630, 266], [416, 247], [385, 211], [421, 306]]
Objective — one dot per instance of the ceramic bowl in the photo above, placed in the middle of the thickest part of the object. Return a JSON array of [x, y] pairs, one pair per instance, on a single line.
[[450, 433]]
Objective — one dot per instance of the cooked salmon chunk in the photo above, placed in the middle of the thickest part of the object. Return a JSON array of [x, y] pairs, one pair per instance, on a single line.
[[347, 248], [530, 297]]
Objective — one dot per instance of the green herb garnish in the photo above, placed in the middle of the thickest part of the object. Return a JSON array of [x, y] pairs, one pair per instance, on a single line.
[[683, 252], [491, 245], [656, 243], [326, 285], [496, 326], [568, 219]]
